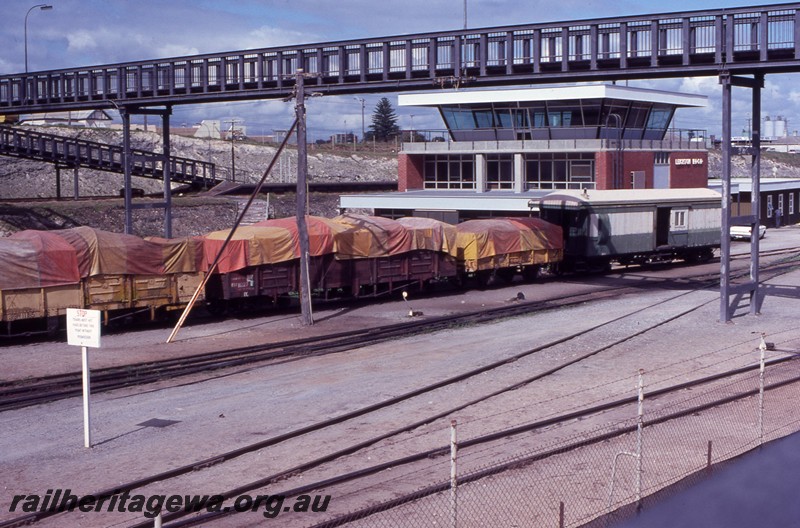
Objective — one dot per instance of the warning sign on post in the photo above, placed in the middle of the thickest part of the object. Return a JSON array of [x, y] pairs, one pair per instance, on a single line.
[[83, 327]]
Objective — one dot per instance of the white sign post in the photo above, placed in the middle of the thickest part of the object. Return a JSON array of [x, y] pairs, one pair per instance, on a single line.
[[83, 330]]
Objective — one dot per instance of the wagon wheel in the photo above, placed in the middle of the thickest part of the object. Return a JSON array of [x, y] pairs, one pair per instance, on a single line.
[[530, 273], [506, 274], [217, 308], [484, 277]]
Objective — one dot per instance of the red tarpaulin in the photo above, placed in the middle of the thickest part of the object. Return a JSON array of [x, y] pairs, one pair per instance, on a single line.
[[105, 253], [35, 259]]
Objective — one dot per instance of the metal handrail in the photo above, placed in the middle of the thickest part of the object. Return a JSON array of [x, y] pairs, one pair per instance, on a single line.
[[53, 148], [748, 39]]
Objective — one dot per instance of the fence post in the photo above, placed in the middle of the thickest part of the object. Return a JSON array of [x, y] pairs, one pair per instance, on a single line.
[[637, 455], [762, 347], [561, 514], [639, 428], [453, 473]]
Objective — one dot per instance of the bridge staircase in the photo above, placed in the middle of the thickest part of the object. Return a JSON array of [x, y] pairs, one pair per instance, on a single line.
[[72, 152]]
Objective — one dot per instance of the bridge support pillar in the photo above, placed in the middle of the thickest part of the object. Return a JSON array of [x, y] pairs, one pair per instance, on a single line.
[[166, 166], [751, 288], [167, 174], [126, 169]]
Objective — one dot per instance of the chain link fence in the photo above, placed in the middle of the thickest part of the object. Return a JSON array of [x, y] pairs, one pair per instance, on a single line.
[[569, 475]]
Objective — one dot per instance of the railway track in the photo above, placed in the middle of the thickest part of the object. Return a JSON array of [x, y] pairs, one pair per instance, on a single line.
[[217, 459], [328, 484], [18, 394], [22, 393]]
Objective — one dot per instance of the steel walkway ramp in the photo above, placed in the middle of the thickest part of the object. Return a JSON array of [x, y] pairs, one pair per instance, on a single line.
[[72, 152]]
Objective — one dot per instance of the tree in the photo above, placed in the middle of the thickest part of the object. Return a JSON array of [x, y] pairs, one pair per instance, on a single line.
[[384, 121]]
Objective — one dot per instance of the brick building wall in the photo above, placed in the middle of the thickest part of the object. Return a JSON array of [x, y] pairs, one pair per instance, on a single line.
[[631, 161], [688, 169], [409, 172]]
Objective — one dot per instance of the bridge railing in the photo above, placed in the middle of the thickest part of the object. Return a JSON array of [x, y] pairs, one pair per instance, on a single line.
[[673, 43]]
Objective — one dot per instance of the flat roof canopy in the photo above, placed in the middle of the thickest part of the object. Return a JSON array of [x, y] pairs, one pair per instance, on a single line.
[[451, 200], [589, 91]]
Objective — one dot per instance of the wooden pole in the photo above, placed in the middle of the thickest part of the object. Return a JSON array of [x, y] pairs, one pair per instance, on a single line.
[[306, 316], [213, 266]]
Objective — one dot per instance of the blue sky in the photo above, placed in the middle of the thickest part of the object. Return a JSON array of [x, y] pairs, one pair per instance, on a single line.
[[90, 32]]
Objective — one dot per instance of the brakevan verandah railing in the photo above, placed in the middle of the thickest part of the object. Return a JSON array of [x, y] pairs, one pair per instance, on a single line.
[[761, 39]]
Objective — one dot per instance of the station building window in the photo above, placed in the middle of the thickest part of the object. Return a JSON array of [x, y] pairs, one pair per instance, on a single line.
[[449, 172], [562, 170], [659, 118], [500, 171]]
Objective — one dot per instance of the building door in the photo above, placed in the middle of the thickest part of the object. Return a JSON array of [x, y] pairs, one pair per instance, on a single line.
[[661, 171]]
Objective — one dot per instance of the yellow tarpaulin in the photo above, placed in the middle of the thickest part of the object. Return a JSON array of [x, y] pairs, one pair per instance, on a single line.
[[480, 239], [371, 236]]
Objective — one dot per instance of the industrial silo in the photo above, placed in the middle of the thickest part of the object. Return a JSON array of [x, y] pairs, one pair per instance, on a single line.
[[780, 127], [769, 129]]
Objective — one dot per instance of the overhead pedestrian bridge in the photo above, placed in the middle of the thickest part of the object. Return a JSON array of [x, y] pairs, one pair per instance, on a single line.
[[740, 41]]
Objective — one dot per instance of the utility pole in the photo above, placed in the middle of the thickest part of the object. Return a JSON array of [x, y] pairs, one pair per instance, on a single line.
[[233, 123], [306, 317], [363, 130]]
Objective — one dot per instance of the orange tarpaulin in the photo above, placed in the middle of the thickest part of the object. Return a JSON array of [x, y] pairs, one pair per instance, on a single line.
[[540, 233], [35, 259], [430, 234], [371, 236], [321, 233], [249, 246], [478, 239], [270, 242], [105, 253], [181, 255]]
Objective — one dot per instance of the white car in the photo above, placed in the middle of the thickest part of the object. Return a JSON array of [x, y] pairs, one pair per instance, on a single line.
[[743, 232]]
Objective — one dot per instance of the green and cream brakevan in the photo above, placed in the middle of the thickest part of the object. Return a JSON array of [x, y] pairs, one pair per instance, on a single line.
[[634, 226]]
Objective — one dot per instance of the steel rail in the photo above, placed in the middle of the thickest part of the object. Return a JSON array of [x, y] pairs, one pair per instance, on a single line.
[[217, 459], [477, 441], [23, 393], [477, 475]]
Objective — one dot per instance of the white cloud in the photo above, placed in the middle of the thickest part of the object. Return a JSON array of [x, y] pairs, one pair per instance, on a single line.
[[81, 40]]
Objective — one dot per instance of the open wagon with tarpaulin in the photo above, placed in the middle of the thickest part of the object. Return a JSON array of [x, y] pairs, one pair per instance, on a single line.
[[127, 273], [39, 280], [262, 261], [503, 247], [351, 255], [382, 255]]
